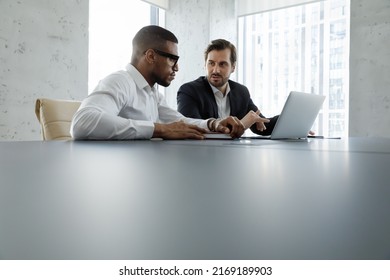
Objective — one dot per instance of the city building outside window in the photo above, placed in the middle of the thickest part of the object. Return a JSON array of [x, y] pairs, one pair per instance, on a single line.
[[302, 48]]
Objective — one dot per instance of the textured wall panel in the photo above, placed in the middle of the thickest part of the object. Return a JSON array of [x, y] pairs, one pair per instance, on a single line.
[[369, 113], [43, 53]]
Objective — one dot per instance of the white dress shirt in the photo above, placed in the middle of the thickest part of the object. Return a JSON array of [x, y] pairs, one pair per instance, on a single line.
[[124, 106], [222, 101]]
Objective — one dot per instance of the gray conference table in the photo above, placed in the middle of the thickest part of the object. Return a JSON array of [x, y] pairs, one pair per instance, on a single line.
[[211, 199]]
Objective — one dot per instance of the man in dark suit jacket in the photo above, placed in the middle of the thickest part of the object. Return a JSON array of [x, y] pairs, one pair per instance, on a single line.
[[215, 96]]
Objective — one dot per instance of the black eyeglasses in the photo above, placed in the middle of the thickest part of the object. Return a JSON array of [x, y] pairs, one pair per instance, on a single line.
[[173, 58]]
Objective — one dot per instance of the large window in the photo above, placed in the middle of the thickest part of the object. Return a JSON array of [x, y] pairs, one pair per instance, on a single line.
[[302, 48], [112, 26]]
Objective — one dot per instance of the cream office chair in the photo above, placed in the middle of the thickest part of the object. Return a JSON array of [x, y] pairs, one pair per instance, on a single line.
[[55, 117]]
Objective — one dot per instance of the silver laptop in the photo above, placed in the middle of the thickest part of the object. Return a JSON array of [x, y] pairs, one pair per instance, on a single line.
[[298, 115], [295, 120]]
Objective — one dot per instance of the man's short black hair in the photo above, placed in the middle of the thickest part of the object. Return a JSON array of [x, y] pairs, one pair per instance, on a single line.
[[151, 37]]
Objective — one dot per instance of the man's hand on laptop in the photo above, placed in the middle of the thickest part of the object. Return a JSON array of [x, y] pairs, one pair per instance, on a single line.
[[254, 118]]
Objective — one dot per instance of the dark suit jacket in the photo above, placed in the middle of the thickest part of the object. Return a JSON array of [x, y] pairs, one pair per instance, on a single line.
[[196, 100]]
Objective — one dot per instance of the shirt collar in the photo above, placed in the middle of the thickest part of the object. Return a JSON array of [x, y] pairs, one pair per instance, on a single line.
[[139, 79], [215, 90]]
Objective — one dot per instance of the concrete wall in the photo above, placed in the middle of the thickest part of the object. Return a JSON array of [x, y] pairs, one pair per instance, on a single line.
[[369, 111], [43, 53]]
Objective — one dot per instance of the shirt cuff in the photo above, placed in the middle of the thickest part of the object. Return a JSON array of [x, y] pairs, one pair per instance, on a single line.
[[204, 125], [145, 130]]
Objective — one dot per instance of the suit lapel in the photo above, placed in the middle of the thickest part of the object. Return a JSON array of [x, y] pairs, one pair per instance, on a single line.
[[232, 100], [211, 98]]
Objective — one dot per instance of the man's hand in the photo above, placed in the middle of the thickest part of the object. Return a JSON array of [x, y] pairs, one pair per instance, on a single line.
[[230, 125], [253, 117], [178, 130]]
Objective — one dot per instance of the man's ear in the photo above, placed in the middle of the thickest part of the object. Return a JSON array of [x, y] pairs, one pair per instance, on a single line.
[[233, 68], [150, 56]]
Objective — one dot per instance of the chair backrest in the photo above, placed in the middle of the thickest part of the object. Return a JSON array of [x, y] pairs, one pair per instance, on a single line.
[[55, 117]]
